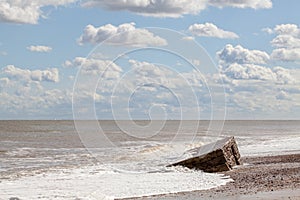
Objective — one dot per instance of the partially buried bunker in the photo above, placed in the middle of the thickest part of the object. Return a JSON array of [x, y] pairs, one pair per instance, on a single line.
[[214, 157]]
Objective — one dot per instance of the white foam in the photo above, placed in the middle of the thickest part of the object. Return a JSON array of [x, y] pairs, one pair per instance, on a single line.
[[270, 146], [131, 177], [94, 183]]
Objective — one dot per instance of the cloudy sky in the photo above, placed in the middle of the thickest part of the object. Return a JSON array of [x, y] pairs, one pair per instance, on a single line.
[[142, 59]]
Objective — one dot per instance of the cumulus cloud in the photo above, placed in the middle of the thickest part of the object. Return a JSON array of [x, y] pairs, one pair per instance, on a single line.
[[241, 55], [136, 87], [287, 29], [3, 83], [238, 63], [16, 11], [211, 30], [146, 72], [286, 43], [39, 48], [124, 34], [256, 72], [173, 8], [146, 85], [26, 93], [105, 68], [263, 98], [49, 75], [158, 8], [23, 102], [286, 54], [248, 71], [284, 76], [255, 4], [96, 80], [251, 86]]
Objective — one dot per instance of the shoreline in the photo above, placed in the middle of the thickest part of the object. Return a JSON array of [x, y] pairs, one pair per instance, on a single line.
[[260, 177]]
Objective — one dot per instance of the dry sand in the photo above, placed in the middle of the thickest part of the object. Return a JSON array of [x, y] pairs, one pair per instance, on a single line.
[[270, 178]]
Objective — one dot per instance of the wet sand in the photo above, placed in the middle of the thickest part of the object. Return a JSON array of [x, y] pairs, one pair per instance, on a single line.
[[270, 177]]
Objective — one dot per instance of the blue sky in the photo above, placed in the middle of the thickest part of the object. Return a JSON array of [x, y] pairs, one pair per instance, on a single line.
[[50, 55]]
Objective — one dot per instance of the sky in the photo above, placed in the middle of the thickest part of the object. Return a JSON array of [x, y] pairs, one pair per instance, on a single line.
[[150, 59]]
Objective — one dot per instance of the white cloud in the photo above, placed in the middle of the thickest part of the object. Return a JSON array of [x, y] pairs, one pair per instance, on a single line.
[[124, 34], [146, 85], [238, 63], [49, 75], [277, 75], [98, 55], [285, 54], [149, 73], [39, 48], [195, 62], [105, 68], [247, 102], [255, 4], [173, 8], [262, 93], [282, 95], [188, 38], [157, 8], [95, 81], [286, 43], [248, 71], [17, 11], [284, 76], [67, 64], [252, 87], [137, 87], [3, 83], [26, 93], [241, 55], [54, 97], [287, 29], [23, 102], [211, 30], [146, 73], [267, 30]]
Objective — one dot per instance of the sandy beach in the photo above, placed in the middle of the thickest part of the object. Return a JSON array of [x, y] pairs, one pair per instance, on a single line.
[[269, 177]]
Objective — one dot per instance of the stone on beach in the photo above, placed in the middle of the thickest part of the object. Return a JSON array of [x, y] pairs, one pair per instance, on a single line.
[[219, 156]]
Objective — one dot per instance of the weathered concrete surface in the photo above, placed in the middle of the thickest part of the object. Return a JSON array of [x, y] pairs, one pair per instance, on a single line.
[[214, 157]]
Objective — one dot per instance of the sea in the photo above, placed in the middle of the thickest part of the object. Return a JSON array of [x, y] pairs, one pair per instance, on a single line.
[[123, 159]]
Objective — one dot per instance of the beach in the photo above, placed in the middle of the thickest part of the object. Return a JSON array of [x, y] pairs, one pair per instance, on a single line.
[[268, 177], [43, 160]]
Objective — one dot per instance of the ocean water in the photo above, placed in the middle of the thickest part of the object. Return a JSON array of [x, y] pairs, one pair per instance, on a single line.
[[67, 160]]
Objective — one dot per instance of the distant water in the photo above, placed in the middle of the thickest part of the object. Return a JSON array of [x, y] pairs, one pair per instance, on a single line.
[[48, 159]]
